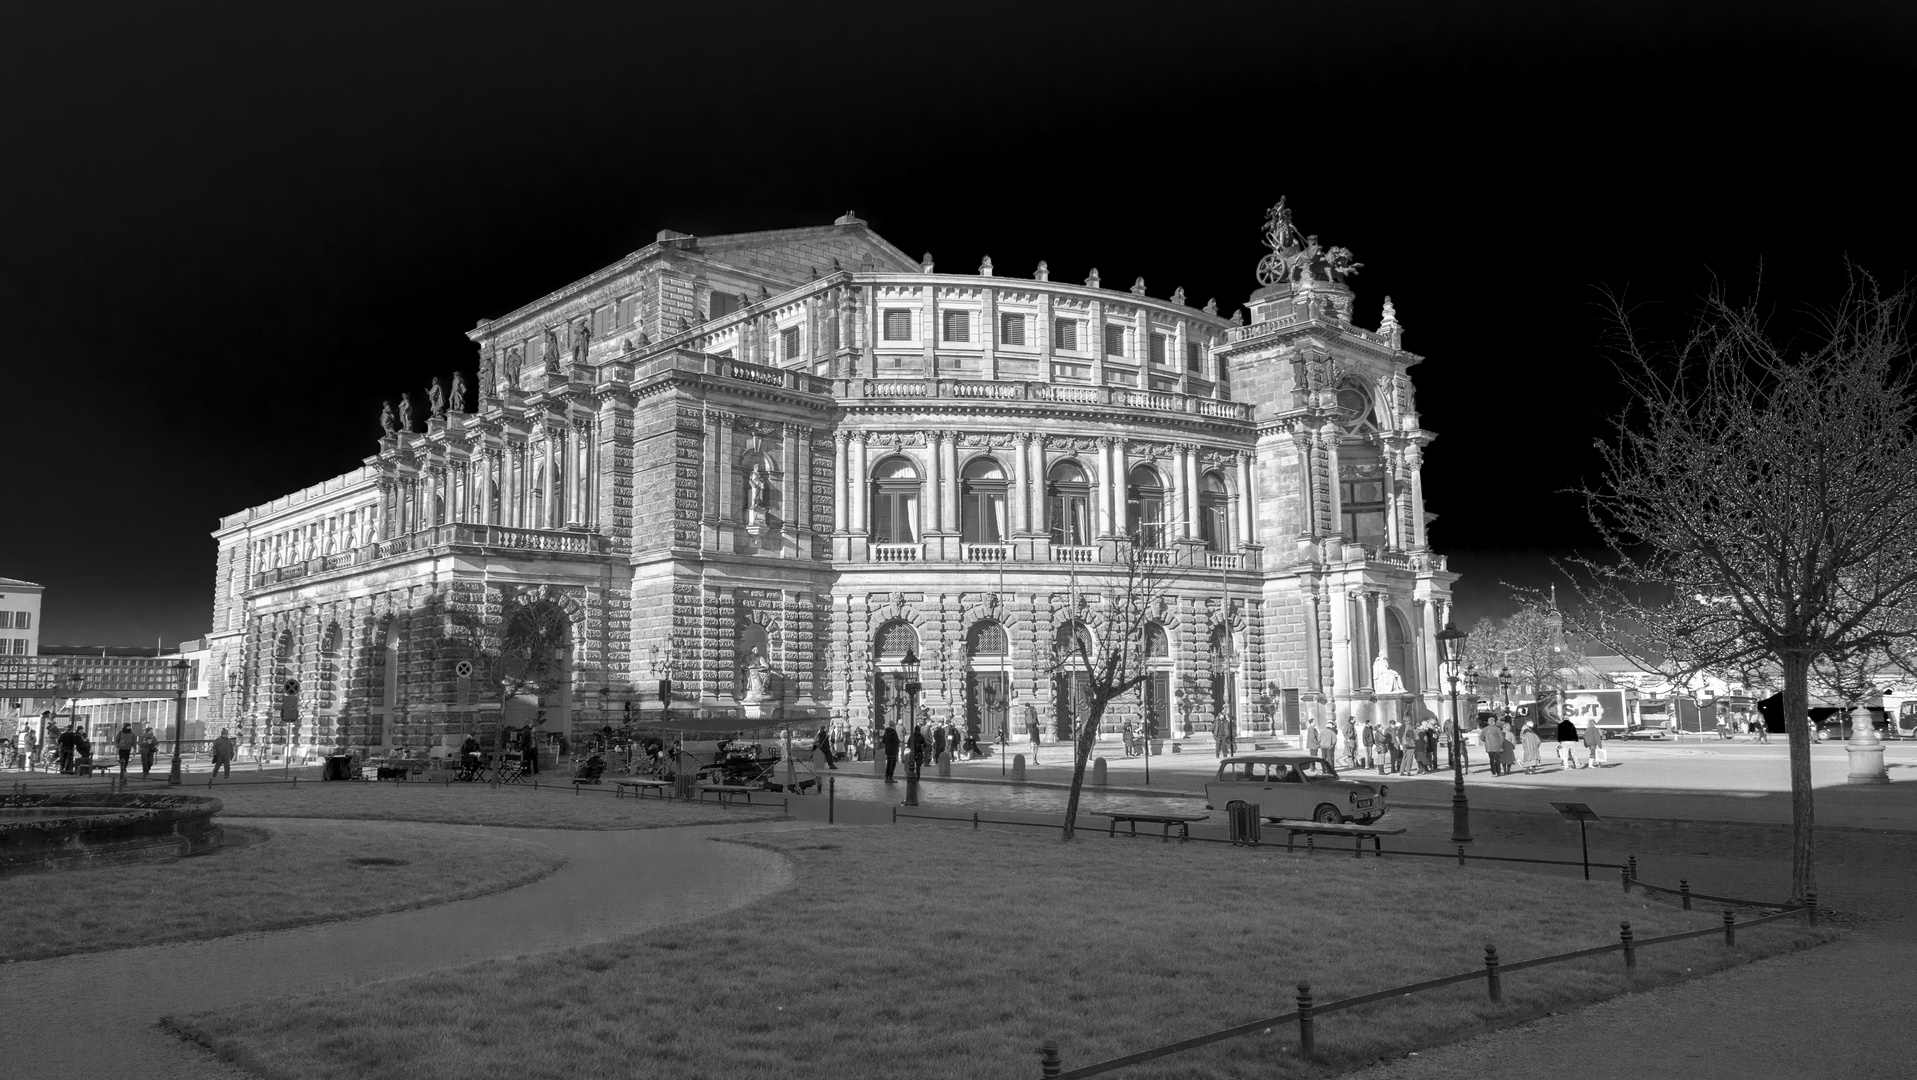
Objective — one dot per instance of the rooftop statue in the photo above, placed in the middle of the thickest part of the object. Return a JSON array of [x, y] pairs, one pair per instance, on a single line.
[[1178, 296], [515, 358], [552, 350], [488, 378], [386, 421], [436, 400], [458, 403], [1296, 258], [581, 341], [406, 413]]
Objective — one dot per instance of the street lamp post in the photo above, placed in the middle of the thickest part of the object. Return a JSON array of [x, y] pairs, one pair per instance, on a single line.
[[911, 665], [1504, 685], [173, 778], [1451, 650], [1471, 694]]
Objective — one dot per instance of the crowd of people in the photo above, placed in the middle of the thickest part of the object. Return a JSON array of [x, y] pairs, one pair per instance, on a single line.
[[70, 749], [1410, 747]]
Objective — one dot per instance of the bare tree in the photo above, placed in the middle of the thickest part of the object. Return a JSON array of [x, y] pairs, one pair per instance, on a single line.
[[1760, 502], [525, 655], [1531, 643], [1109, 660]]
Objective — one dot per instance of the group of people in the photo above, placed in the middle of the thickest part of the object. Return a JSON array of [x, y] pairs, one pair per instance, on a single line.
[[1409, 748], [72, 749], [927, 743]]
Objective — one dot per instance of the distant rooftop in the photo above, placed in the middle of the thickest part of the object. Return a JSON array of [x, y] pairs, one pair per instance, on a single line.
[[16, 583]]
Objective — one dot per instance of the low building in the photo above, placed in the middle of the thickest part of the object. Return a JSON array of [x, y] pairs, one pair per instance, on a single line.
[[767, 467], [19, 636]]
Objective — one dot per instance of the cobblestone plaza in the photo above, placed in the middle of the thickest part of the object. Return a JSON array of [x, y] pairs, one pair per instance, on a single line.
[[769, 465]]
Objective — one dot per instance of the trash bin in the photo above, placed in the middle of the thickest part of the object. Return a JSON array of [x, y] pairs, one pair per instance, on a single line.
[[1243, 821], [338, 767]]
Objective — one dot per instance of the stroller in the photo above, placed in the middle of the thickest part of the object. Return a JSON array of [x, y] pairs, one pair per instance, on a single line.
[[590, 769]]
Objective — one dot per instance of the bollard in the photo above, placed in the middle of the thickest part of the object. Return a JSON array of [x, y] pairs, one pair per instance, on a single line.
[[1630, 950], [1684, 890], [1491, 978], [831, 799], [1460, 855], [1307, 1039], [1098, 772], [1810, 905], [1048, 1063], [1018, 766], [1633, 861], [975, 821], [1310, 844], [1730, 929], [1624, 875]]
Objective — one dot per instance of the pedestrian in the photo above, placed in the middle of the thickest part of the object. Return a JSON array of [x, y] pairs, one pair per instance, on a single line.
[[1493, 748], [69, 744], [223, 754], [149, 746], [124, 742], [823, 744], [915, 745], [890, 742], [1430, 741], [1762, 729], [1031, 724], [1346, 741], [1532, 745], [1364, 745], [1593, 744], [1313, 741], [938, 742], [1567, 743]]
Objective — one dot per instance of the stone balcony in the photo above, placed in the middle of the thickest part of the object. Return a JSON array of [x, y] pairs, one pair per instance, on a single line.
[[1099, 398], [440, 537], [1029, 552]]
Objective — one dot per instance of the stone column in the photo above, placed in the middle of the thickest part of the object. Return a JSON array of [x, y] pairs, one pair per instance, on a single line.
[[1314, 656], [1021, 483], [798, 462], [1037, 476], [1384, 634], [1103, 482], [934, 492], [1247, 501], [1360, 641], [1191, 490], [722, 467], [839, 482], [948, 447], [1121, 488], [1342, 650], [857, 450]]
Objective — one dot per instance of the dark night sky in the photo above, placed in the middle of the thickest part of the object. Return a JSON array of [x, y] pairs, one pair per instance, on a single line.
[[231, 232]]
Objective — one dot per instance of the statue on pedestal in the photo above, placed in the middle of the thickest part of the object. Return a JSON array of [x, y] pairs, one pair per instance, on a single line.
[[758, 673], [1383, 679], [436, 400], [581, 341], [458, 403], [552, 350], [386, 422], [406, 413]]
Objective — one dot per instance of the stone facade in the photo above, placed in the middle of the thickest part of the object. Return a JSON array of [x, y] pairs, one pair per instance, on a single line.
[[747, 463]]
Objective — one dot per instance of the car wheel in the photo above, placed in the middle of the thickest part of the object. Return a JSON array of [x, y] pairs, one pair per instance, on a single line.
[[1327, 814]]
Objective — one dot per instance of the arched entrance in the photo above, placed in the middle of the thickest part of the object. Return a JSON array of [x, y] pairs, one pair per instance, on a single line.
[[1155, 692], [988, 681], [1397, 651], [535, 645], [891, 703], [1071, 687]]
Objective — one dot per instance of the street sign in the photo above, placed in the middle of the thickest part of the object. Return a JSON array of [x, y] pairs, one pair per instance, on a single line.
[[464, 669], [1580, 813]]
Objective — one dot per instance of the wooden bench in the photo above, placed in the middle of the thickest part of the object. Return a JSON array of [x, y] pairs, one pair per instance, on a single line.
[[1183, 821], [661, 788], [726, 792], [1358, 833]]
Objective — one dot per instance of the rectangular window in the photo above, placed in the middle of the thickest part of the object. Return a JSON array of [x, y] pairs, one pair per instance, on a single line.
[[898, 325], [790, 335], [958, 326], [626, 309], [723, 303], [23, 619], [1065, 335], [1114, 341], [601, 322], [1011, 329], [1192, 356], [6, 620], [19, 646], [1158, 348]]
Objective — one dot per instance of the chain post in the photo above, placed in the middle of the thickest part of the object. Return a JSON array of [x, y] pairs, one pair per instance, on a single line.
[[1730, 928], [1630, 949], [1624, 876], [1492, 979], [1461, 856], [1810, 906], [1307, 1038], [1684, 890], [1633, 861], [1048, 1063]]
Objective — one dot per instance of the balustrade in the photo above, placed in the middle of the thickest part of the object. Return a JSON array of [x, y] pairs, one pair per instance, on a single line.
[[898, 552], [986, 552], [1062, 553]]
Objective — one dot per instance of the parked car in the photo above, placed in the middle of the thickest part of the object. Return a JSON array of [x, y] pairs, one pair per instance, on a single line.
[[1828, 724], [1296, 786]]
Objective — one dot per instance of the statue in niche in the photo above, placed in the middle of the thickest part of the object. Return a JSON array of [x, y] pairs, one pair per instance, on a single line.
[[758, 673], [757, 482], [386, 422], [581, 341], [1383, 679], [406, 413], [458, 403], [515, 359], [436, 400], [552, 350]]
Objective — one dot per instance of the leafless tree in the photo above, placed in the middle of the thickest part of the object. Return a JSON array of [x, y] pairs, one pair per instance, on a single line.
[[1759, 499], [1531, 643], [523, 655], [1102, 646]]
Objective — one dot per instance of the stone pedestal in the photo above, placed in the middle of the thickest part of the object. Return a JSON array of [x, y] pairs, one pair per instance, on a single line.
[[1866, 750]]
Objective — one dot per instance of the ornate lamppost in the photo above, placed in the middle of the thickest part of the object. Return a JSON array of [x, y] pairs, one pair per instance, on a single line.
[[1471, 694], [1451, 651], [1504, 685], [911, 665], [173, 778]]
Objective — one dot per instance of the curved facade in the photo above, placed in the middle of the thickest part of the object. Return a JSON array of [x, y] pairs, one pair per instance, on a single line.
[[767, 465]]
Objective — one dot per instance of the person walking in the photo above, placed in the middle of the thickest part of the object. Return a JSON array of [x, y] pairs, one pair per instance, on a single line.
[[1032, 725], [1313, 741], [1567, 743], [1493, 747], [823, 744], [1593, 744], [223, 754], [890, 743], [69, 744], [938, 742], [1532, 745], [915, 745], [124, 742], [149, 746]]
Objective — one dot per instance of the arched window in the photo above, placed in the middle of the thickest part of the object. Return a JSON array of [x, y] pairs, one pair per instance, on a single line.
[[988, 639], [1214, 506], [1356, 414], [1071, 638], [1068, 497], [982, 502], [1145, 506], [895, 502], [895, 639], [1157, 647], [1397, 654]]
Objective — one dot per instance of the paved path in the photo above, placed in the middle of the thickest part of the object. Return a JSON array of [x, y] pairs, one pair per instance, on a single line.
[[614, 883]]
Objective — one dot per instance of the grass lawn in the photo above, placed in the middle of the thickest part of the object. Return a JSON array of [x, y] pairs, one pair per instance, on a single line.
[[548, 807], [285, 874], [940, 953]]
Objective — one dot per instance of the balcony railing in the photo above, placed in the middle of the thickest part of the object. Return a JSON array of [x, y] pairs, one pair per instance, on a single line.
[[986, 552], [1110, 396], [898, 552], [1216, 561], [460, 533], [1157, 557], [1062, 553]]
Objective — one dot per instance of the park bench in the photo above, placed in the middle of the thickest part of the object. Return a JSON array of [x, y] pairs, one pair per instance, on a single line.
[[1183, 821], [1358, 833], [661, 788], [726, 792]]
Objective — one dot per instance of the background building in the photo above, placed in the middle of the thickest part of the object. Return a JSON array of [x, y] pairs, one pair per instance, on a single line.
[[767, 466], [19, 636]]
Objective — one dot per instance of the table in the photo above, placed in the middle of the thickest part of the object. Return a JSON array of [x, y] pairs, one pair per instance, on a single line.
[[661, 788], [1358, 833]]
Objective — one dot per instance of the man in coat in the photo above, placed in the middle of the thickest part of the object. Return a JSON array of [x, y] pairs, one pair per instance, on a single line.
[[1567, 743], [69, 742], [1493, 745], [890, 743], [223, 754]]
